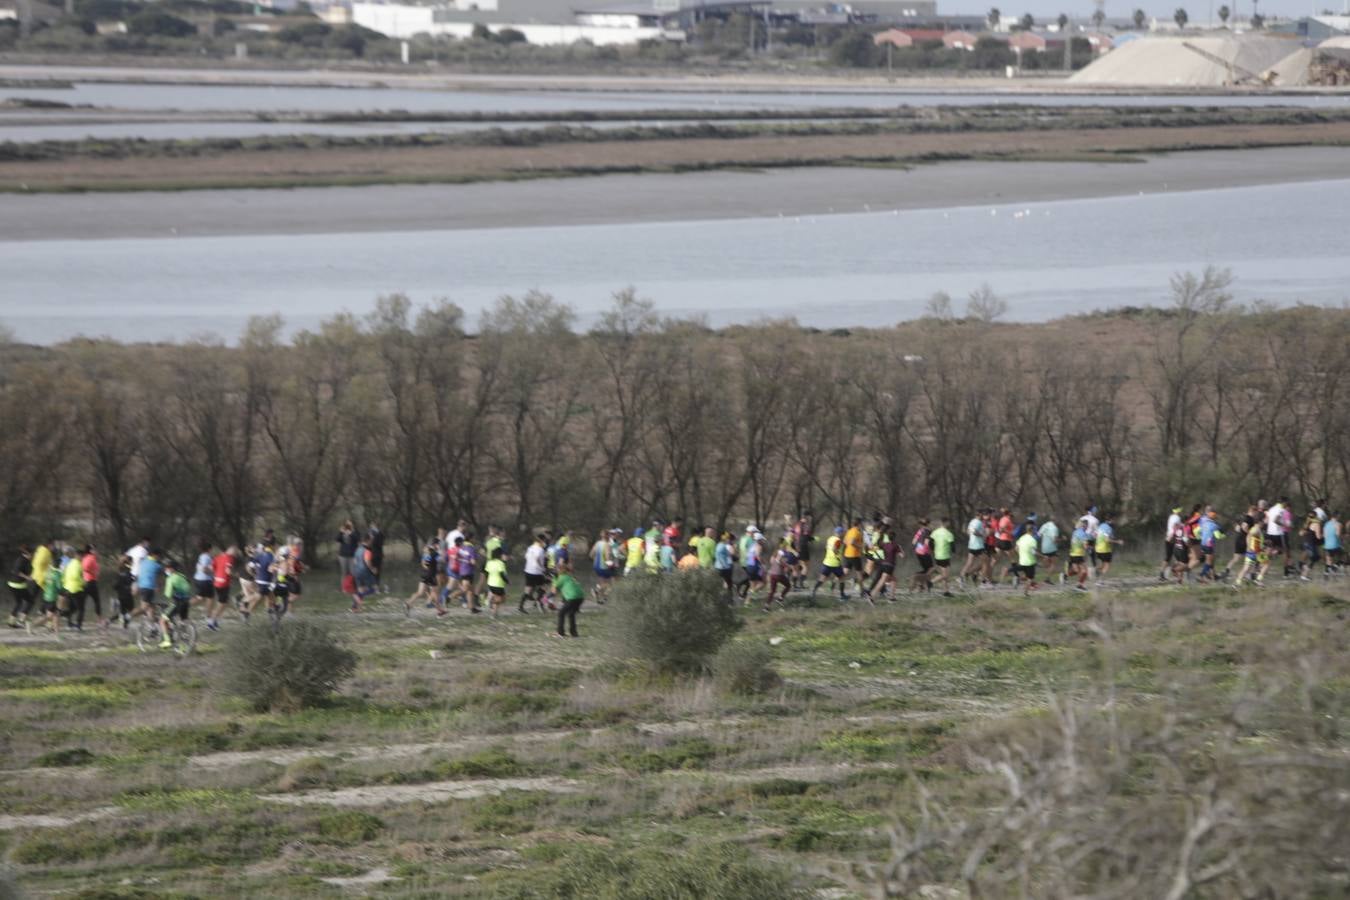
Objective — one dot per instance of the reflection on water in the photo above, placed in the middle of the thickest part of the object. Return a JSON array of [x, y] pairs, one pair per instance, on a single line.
[[1049, 259]]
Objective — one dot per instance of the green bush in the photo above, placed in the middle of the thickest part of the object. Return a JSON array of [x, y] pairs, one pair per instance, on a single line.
[[671, 623], [349, 827], [285, 669], [745, 668], [155, 21], [72, 756]]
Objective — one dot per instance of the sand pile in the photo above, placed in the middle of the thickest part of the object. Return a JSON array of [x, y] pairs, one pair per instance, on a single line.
[[1169, 62]]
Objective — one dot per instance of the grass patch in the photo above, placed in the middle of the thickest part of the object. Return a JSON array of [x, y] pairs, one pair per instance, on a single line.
[[72, 756], [348, 827], [687, 754], [84, 698]]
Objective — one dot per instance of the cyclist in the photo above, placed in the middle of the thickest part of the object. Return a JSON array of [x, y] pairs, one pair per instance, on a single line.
[[177, 601]]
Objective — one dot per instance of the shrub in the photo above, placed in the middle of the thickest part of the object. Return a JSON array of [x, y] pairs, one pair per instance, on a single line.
[[72, 756], [745, 668], [155, 21], [285, 669], [349, 827], [671, 623], [309, 772]]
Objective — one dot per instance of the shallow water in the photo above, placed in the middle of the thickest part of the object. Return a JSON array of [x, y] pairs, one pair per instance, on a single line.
[[1284, 243]]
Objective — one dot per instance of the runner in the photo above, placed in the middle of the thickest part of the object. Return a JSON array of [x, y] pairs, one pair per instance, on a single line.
[[922, 544], [1240, 528], [124, 587], [177, 601], [635, 550], [804, 531], [1105, 540], [604, 564], [429, 570], [943, 542], [1003, 544], [1331, 543], [1049, 535], [51, 597], [884, 579], [363, 573], [853, 554], [1210, 535], [1256, 560], [222, 570], [975, 534], [724, 562], [348, 541], [1092, 522], [1310, 536], [1078, 544], [1026, 547], [494, 573], [90, 567], [72, 589], [782, 565], [536, 573], [264, 577], [203, 578], [832, 566], [705, 545], [20, 583], [469, 557], [753, 563], [572, 596], [147, 582], [1173, 520]]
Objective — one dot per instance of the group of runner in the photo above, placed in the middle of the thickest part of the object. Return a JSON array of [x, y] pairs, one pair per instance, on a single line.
[[53, 583]]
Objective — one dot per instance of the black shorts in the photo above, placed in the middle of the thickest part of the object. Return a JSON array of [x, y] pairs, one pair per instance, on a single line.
[[804, 555], [836, 571], [264, 588], [146, 595], [1029, 571], [1049, 554], [976, 551], [534, 581], [925, 562], [1105, 556], [292, 587], [1003, 545], [1075, 560], [726, 575], [223, 594], [853, 563], [888, 568], [943, 563], [1167, 551], [180, 608], [497, 591], [205, 589]]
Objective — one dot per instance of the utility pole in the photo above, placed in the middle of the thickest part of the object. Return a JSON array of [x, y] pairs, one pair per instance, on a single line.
[[25, 13]]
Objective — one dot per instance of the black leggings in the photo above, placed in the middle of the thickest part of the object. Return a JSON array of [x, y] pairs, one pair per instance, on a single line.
[[91, 592], [568, 614], [23, 600]]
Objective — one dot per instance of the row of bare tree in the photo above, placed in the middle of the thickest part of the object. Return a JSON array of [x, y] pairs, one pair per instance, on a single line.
[[405, 418]]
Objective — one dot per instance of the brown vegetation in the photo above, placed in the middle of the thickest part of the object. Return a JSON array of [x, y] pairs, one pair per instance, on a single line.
[[162, 167], [405, 418]]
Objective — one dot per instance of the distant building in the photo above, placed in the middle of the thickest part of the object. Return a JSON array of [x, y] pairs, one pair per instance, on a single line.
[[959, 40], [1313, 28], [1024, 41], [893, 36]]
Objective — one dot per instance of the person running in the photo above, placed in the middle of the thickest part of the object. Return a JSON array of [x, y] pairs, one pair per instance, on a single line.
[[51, 599], [1173, 520], [975, 534], [1310, 536], [635, 551], [604, 565], [203, 577], [469, 557], [1092, 523], [41, 564], [1049, 537], [1277, 518], [943, 543], [1210, 534], [853, 554], [364, 574], [1003, 543], [222, 571], [724, 562], [922, 544], [1331, 543], [494, 574], [348, 542], [72, 589], [1078, 545], [375, 550], [1103, 542], [20, 584], [264, 577], [137, 552], [124, 589], [782, 565], [428, 565], [1193, 536], [804, 535], [90, 570], [705, 545], [753, 563], [1240, 528], [890, 554], [290, 566], [832, 564], [1027, 547], [1180, 551], [177, 602], [572, 595], [1257, 558], [536, 573]]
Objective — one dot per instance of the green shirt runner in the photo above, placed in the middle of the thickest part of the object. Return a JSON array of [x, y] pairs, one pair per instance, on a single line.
[[943, 540]]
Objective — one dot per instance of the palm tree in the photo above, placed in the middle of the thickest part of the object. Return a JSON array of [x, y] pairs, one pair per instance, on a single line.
[[993, 17], [1062, 21], [1139, 19], [1098, 17], [1181, 17], [1027, 22], [1224, 13]]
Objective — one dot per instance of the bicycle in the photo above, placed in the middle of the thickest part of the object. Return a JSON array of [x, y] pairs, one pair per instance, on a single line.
[[182, 634]]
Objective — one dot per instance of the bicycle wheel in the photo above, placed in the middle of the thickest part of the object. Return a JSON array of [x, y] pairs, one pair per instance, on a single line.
[[147, 636], [184, 638]]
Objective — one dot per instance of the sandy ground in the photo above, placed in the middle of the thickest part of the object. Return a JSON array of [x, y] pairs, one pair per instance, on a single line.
[[645, 198]]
